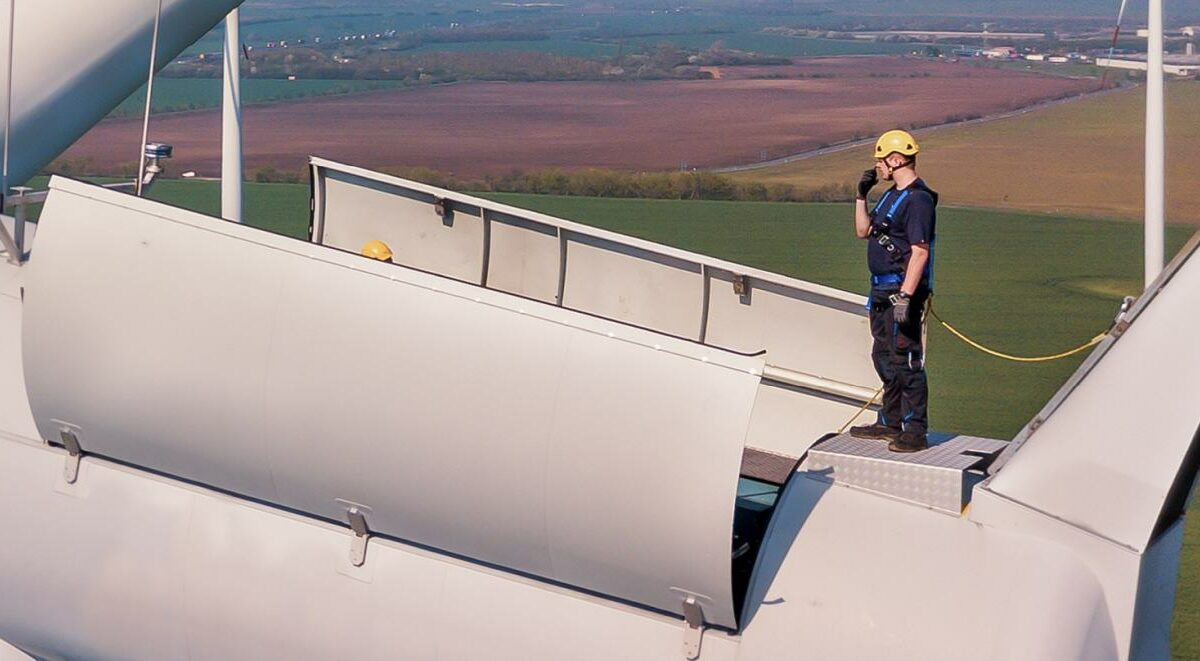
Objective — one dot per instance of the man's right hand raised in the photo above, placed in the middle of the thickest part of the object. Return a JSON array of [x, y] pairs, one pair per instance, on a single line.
[[868, 181]]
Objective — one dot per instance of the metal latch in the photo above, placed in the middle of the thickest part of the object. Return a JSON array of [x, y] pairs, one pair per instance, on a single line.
[[356, 515], [693, 628], [1121, 323], [445, 210], [74, 454], [739, 285]]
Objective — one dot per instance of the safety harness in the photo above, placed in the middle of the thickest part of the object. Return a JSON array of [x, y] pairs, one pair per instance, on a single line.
[[881, 225], [881, 228]]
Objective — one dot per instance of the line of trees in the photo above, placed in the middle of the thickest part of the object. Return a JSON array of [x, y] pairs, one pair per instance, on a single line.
[[692, 185]]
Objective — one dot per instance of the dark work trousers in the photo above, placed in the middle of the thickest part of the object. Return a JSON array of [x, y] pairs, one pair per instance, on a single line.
[[899, 357]]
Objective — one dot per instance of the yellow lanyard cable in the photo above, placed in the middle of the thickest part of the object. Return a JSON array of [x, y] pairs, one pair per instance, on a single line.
[[860, 411], [991, 352], [1020, 359]]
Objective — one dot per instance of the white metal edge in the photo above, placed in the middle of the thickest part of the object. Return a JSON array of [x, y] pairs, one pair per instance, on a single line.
[[615, 330], [588, 230]]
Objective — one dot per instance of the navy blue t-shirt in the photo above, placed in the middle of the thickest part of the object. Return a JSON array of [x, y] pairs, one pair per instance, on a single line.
[[913, 214]]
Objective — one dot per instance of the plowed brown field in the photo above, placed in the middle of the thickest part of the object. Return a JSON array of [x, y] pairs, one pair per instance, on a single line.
[[473, 129]]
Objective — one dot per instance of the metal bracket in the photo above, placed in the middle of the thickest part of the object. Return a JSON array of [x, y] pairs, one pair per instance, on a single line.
[[739, 284], [74, 454], [356, 515], [693, 628], [1121, 323], [445, 210]]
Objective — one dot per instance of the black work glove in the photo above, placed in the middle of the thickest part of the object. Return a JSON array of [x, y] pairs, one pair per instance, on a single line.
[[900, 302], [868, 181]]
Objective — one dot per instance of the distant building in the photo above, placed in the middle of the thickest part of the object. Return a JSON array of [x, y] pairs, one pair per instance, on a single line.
[[1174, 64], [1000, 53], [1035, 57]]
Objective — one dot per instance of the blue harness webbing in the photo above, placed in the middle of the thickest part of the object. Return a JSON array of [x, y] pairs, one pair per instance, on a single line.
[[896, 278], [895, 205]]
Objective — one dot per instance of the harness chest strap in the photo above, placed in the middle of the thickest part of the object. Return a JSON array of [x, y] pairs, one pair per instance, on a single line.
[[882, 230]]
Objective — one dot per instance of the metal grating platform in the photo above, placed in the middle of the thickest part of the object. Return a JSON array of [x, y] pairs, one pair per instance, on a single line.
[[939, 477], [766, 466]]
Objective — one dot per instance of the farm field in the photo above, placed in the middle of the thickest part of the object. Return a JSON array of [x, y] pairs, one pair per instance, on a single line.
[[180, 94], [581, 34], [1056, 287], [489, 128], [1082, 158]]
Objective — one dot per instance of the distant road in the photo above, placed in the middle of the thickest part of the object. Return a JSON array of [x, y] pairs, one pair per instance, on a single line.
[[843, 146]]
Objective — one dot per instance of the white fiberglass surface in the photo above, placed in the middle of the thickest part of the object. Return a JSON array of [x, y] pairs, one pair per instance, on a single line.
[[449, 246], [796, 325], [845, 574], [133, 566], [504, 430], [15, 418]]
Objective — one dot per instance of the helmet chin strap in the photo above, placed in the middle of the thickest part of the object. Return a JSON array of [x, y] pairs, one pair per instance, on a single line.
[[891, 169]]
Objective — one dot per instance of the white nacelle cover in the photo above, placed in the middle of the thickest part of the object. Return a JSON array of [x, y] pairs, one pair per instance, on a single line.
[[497, 428]]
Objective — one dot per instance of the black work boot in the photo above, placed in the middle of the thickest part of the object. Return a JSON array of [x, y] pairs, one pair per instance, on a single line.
[[875, 432], [909, 441]]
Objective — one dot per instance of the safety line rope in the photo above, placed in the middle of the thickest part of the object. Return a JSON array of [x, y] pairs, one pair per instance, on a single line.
[[1019, 359], [991, 352], [860, 411]]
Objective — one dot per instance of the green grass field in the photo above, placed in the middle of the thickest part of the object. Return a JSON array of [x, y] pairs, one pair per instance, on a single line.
[[1027, 284], [177, 94], [1081, 158]]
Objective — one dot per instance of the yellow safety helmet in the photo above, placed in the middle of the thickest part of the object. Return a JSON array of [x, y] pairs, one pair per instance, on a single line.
[[896, 141], [377, 250]]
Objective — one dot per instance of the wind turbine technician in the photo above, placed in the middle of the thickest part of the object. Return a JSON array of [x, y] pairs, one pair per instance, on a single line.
[[900, 234]]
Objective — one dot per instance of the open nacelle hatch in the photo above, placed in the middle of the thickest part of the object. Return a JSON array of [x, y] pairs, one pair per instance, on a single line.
[[310, 377], [802, 329], [313, 379]]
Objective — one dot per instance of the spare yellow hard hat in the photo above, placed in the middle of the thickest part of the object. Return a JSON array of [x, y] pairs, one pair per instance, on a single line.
[[377, 250], [896, 141]]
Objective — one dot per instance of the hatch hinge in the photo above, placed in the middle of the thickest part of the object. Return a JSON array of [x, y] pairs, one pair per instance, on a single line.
[[693, 628], [74, 454], [356, 515]]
